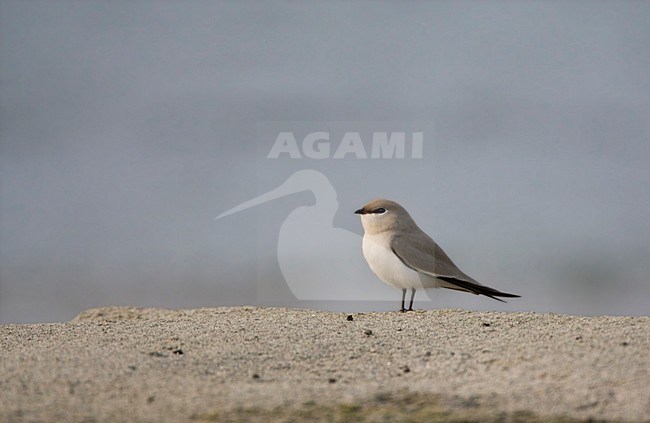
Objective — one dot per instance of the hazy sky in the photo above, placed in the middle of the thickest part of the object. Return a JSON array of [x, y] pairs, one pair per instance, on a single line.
[[126, 127]]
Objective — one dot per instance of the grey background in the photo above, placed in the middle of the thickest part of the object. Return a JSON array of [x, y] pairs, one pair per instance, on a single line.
[[126, 127]]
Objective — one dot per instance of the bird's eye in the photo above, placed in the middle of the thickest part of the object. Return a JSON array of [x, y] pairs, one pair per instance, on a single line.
[[380, 210]]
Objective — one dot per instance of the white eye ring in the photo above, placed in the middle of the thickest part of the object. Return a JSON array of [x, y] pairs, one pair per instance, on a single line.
[[380, 210]]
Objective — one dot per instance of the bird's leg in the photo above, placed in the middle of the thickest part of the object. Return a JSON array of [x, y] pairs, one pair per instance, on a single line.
[[403, 298], [412, 296]]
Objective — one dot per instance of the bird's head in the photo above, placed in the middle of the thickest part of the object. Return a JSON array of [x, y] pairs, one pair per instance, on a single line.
[[382, 215]]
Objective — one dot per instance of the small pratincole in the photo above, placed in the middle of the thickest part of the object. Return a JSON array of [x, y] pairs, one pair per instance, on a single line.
[[403, 256]]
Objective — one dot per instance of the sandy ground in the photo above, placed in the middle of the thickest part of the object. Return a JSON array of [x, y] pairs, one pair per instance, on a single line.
[[275, 364]]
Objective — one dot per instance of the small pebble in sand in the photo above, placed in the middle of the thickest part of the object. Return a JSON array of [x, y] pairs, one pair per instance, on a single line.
[[367, 332], [350, 318]]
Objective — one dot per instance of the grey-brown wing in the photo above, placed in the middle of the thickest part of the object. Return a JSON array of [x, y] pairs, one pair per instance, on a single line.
[[422, 254]]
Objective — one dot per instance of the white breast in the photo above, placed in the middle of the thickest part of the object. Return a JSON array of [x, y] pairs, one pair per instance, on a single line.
[[389, 268]]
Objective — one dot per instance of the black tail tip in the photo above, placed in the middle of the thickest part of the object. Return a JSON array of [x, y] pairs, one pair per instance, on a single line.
[[504, 294]]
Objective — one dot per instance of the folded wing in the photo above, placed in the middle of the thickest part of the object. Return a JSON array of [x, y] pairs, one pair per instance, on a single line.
[[422, 254]]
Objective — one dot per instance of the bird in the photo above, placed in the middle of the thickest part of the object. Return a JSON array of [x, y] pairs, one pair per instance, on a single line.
[[405, 257]]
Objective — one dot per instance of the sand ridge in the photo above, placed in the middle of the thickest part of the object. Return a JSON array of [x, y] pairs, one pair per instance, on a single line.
[[280, 364]]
